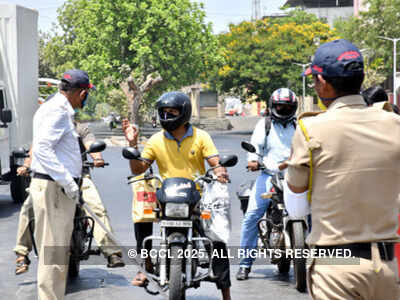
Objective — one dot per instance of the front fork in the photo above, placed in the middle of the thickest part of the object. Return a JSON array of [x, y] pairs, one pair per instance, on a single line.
[[188, 265], [164, 245]]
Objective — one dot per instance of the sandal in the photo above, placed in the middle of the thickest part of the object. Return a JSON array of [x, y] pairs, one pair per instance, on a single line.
[[22, 264], [139, 280]]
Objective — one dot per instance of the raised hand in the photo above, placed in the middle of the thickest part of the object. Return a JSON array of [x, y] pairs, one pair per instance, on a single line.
[[131, 132]]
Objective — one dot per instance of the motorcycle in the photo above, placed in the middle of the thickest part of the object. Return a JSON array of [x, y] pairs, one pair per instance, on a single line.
[[82, 234], [178, 209], [279, 232]]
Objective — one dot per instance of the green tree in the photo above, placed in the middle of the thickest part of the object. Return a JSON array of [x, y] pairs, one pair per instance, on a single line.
[[144, 47], [259, 55], [381, 19]]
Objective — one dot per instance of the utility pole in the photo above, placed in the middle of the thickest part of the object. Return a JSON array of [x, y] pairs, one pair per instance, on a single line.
[[394, 65], [304, 77], [256, 10]]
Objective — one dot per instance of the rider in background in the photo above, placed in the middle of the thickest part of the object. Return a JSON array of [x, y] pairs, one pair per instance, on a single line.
[[272, 138]]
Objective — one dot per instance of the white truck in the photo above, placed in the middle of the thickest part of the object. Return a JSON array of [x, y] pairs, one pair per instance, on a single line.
[[18, 91]]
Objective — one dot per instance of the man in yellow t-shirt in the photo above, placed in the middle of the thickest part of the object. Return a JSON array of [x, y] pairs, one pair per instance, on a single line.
[[179, 150]]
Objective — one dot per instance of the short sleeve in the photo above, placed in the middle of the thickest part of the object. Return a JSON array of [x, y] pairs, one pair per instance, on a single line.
[[149, 152], [208, 147], [298, 170]]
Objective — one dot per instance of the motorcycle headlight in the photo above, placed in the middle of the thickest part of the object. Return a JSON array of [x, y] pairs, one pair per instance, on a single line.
[[177, 210]]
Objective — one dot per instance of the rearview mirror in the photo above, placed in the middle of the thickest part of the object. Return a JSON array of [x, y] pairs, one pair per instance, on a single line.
[[5, 116], [248, 147], [228, 160], [20, 153], [130, 153], [97, 146]]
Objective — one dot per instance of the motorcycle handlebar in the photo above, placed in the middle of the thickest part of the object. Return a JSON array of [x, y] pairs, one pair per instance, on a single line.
[[91, 164], [130, 181]]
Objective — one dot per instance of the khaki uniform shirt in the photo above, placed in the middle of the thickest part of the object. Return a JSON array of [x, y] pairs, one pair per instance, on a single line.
[[356, 172], [383, 105]]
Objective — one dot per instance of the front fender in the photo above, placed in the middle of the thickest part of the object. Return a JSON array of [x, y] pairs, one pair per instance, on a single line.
[[176, 238]]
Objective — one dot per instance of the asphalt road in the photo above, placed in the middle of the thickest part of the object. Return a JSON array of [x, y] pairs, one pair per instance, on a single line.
[[98, 282]]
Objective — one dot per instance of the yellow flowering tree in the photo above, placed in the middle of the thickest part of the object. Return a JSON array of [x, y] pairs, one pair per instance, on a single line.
[[260, 56]]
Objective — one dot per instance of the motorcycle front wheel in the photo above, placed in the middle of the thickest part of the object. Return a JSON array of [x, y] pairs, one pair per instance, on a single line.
[[299, 263], [284, 265], [176, 290], [73, 267]]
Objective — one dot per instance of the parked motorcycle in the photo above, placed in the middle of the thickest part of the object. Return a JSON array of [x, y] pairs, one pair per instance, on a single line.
[[178, 210], [279, 232], [82, 234]]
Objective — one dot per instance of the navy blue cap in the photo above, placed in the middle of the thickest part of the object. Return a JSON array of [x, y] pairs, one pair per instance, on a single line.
[[338, 58], [78, 79]]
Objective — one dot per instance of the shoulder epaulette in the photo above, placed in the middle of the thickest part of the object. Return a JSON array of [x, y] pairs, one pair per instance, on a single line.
[[384, 105], [309, 114]]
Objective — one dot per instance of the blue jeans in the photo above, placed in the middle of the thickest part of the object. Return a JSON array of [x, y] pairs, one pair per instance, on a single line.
[[256, 209]]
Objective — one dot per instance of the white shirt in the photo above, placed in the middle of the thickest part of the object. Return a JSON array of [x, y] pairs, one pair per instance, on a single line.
[[55, 150], [276, 147]]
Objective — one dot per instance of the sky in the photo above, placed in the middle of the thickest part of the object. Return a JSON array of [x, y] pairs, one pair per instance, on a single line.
[[219, 12]]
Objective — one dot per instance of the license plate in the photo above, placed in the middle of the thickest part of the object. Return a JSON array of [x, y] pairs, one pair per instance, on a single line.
[[165, 223]]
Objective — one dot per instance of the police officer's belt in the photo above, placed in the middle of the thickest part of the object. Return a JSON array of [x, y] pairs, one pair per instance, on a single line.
[[47, 177], [363, 250]]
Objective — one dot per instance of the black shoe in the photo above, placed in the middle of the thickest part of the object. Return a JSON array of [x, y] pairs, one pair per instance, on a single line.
[[243, 273], [115, 261]]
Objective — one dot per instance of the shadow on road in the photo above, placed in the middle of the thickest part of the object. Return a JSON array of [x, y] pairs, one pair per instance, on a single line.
[[93, 278], [274, 275], [7, 206]]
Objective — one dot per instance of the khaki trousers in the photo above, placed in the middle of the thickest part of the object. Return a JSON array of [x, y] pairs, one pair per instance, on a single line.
[[93, 200], [363, 280], [54, 215], [24, 241]]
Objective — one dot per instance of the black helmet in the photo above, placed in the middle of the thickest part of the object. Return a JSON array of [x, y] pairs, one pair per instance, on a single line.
[[285, 97], [179, 101], [374, 94]]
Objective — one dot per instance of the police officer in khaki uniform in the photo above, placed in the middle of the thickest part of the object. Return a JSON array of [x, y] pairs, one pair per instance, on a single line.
[[56, 166], [345, 169], [90, 196]]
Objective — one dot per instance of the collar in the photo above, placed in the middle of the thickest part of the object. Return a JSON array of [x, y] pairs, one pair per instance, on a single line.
[[189, 132], [68, 105], [345, 101]]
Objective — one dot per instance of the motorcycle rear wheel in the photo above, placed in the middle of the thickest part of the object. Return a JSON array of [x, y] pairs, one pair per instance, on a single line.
[[176, 290], [299, 263]]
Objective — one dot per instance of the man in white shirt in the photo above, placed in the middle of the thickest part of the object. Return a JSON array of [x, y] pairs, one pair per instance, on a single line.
[[56, 166]]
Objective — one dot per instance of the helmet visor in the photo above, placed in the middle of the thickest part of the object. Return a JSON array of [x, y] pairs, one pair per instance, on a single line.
[[285, 110]]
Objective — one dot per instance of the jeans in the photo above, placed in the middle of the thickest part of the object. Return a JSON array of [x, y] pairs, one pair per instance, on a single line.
[[256, 209]]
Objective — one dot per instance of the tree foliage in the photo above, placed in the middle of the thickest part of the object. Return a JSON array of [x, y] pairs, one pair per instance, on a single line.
[[381, 19], [135, 44], [260, 56]]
